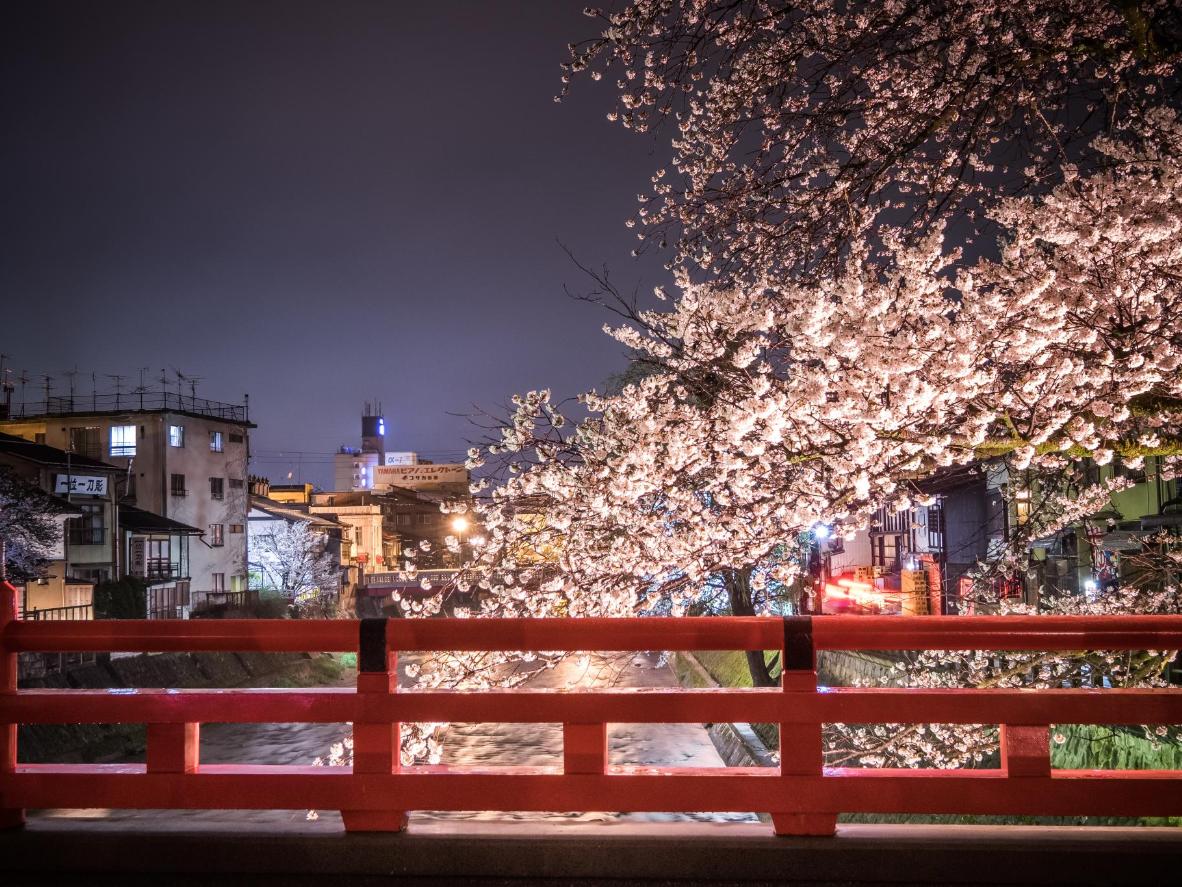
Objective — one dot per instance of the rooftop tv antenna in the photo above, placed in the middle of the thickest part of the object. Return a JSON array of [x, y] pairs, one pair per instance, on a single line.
[[23, 380], [118, 380], [192, 380], [71, 375], [143, 389]]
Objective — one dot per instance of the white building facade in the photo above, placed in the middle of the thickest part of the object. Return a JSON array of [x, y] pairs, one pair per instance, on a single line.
[[181, 458]]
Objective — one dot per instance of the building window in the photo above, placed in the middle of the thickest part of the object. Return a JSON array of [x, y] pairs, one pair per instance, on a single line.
[[235, 438], [217, 488], [215, 535], [215, 441], [178, 485], [176, 435], [235, 529], [1022, 506], [88, 529], [87, 442], [235, 483], [122, 440], [219, 581]]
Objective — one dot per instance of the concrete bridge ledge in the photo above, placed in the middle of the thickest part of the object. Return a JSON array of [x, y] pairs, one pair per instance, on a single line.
[[506, 853]]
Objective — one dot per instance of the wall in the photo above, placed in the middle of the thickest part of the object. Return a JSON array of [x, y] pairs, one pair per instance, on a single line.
[[199, 509]]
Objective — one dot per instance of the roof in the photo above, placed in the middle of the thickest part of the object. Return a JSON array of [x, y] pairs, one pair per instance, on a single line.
[[947, 480], [139, 521], [292, 512], [44, 454]]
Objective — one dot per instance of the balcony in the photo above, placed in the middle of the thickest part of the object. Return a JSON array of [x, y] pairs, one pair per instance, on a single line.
[[160, 568], [86, 535]]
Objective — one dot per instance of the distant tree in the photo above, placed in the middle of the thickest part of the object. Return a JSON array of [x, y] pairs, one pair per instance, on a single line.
[[294, 560], [28, 527], [124, 598]]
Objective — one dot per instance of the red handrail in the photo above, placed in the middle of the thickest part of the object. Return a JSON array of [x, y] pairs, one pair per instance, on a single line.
[[686, 633], [803, 797]]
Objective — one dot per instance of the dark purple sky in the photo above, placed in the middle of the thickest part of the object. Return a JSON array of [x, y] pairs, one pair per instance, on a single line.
[[316, 203]]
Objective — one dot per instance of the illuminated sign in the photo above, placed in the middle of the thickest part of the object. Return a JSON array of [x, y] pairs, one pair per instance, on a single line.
[[80, 484], [416, 477]]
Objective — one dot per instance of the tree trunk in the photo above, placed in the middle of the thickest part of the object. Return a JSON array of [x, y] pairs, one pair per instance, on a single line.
[[738, 587]]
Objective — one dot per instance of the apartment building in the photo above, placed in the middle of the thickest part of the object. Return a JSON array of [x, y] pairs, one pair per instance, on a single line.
[[182, 458]]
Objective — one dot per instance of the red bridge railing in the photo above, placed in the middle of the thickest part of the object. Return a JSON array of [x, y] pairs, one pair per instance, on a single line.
[[376, 793]]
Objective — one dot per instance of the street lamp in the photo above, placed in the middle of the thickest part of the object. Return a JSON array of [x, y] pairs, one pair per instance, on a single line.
[[460, 525]]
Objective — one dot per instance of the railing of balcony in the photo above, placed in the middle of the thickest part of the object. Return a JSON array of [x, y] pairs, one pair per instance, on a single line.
[[123, 402], [47, 614], [161, 568], [86, 535], [802, 796]]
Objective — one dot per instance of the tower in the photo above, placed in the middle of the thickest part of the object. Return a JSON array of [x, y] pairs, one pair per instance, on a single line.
[[373, 430]]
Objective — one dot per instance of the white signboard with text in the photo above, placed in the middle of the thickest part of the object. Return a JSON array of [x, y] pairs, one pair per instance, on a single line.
[[417, 477], [80, 484]]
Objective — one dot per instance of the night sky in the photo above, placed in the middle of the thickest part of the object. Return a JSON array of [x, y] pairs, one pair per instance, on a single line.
[[317, 204]]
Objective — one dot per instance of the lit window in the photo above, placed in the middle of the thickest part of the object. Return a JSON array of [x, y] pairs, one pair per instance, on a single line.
[[122, 440], [215, 535], [215, 441], [176, 435], [1022, 506]]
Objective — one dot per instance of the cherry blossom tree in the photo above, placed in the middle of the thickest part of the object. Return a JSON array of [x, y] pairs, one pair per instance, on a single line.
[[292, 559], [905, 236], [908, 236], [799, 129], [29, 527]]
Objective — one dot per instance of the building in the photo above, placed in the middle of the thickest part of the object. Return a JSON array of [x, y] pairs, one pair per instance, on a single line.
[[371, 467], [157, 550], [183, 458], [292, 494], [89, 551], [973, 512]]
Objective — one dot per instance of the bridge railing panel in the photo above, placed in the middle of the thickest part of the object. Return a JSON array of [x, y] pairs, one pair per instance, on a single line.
[[376, 793]]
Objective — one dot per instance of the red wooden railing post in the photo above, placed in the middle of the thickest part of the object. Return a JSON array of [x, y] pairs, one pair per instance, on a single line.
[[377, 743], [800, 744], [584, 749], [174, 748], [9, 817], [1025, 750]]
